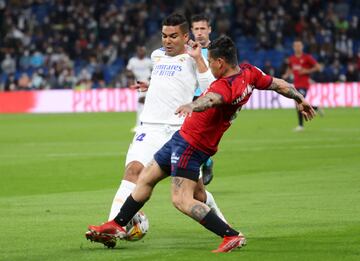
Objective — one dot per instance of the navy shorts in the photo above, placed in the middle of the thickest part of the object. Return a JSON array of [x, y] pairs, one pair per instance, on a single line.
[[179, 159]]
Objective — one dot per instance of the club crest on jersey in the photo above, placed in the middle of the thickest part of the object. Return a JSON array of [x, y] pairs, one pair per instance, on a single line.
[[157, 58], [182, 59], [249, 88]]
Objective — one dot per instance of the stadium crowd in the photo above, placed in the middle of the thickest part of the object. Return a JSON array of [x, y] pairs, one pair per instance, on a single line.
[[62, 44]]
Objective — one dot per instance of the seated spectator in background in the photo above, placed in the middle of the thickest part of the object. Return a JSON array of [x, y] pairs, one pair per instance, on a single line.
[[8, 65], [38, 81], [10, 83], [139, 69], [352, 74], [24, 82]]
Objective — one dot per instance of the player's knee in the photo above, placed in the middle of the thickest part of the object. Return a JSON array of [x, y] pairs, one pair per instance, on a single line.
[[132, 171]]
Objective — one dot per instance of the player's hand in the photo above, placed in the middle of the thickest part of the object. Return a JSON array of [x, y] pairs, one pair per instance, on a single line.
[[195, 50], [140, 86], [306, 110], [184, 110]]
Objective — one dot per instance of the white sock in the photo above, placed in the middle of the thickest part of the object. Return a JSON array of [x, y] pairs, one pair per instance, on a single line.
[[210, 202], [125, 189]]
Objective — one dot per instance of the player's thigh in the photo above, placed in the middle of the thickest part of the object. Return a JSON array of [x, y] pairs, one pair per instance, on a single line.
[[182, 192], [146, 142], [148, 179], [151, 174]]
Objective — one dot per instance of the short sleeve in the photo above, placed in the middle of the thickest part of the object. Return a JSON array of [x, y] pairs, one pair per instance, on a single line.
[[130, 64], [259, 79], [221, 87]]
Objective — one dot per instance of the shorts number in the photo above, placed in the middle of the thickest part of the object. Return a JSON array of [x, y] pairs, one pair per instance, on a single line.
[[140, 137]]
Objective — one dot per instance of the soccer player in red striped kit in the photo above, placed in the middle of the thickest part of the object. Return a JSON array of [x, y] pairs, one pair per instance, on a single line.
[[301, 65], [207, 119]]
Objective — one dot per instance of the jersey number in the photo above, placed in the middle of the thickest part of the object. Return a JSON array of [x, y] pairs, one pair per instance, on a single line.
[[140, 137]]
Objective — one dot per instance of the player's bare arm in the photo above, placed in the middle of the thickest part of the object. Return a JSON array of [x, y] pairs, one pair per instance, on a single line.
[[288, 90], [141, 86], [195, 52], [203, 103]]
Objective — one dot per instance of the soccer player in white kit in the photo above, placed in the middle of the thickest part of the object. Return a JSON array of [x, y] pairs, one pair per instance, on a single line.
[[177, 69], [140, 66]]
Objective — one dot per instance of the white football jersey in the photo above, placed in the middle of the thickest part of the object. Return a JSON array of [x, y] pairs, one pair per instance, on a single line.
[[141, 68], [173, 82]]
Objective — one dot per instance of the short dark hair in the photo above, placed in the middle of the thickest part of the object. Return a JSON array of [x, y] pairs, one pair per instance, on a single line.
[[223, 47], [200, 17], [177, 19]]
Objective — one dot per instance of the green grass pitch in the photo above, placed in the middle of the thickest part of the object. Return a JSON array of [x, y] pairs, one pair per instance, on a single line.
[[296, 196]]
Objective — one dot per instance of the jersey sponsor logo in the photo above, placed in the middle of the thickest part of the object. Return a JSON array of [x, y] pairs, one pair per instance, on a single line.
[[248, 90], [166, 69]]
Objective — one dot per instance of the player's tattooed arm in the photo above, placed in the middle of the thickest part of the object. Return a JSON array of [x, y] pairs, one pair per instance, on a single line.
[[203, 103], [198, 212], [207, 101], [286, 89]]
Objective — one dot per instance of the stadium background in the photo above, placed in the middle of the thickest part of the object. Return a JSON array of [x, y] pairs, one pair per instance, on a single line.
[[295, 195], [86, 44]]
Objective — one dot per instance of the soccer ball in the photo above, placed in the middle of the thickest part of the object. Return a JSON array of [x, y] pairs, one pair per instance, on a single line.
[[137, 228]]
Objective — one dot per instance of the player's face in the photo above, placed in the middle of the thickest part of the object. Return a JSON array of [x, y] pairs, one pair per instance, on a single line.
[[174, 40], [215, 66], [298, 47], [141, 52], [201, 31]]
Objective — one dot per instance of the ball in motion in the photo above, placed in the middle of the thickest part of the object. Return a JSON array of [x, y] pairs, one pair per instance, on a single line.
[[137, 228]]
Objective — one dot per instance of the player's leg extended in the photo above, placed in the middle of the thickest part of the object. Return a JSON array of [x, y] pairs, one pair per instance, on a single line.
[[140, 153], [127, 186], [108, 232], [204, 195], [148, 179], [182, 190]]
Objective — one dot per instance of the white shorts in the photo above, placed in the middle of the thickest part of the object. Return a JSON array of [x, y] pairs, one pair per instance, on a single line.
[[148, 139]]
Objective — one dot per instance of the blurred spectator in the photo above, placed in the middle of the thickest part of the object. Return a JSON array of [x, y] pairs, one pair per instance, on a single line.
[[268, 68], [352, 74], [37, 59], [8, 65], [10, 83], [139, 69], [24, 82], [24, 62], [38, 81]]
